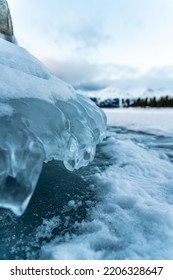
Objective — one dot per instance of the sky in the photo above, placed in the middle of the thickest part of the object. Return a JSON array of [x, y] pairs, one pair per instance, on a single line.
[[93, 44]]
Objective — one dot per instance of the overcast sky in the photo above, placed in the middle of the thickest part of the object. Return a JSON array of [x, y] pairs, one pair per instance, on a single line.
[[97, 43]]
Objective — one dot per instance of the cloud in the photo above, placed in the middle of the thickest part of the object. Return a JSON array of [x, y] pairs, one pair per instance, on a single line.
[[163, 72], [85, 76], [81, 37], [73, 71], [78, 72], [91, 86], [115, 71], [90, 36], [104, 31]]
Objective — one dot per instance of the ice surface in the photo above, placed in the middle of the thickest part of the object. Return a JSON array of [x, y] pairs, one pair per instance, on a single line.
[[41, 118], [156, 121]]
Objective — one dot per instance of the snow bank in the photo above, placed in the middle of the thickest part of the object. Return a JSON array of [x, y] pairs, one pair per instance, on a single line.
[[41, 118]]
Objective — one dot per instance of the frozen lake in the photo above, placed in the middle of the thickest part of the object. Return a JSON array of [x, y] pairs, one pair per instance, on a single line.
[[118, 207]]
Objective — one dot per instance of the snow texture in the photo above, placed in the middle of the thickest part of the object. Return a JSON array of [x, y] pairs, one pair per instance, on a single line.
[[133, 216], [41, 118]]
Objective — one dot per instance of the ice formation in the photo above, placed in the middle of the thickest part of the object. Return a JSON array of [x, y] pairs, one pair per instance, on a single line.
[[41, 118]]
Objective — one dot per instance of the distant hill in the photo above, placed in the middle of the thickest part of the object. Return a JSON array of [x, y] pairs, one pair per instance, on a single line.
[[113, 97]]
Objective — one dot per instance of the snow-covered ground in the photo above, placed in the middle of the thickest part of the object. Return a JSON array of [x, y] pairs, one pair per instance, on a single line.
[[132, 178]]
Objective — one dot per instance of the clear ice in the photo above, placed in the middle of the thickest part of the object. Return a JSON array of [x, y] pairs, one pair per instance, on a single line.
[[41, 118]]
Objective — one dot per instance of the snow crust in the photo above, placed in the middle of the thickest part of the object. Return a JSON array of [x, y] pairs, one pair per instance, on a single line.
[[41, 118]]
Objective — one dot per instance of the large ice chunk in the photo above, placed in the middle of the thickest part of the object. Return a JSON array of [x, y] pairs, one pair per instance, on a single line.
[[41, 118]]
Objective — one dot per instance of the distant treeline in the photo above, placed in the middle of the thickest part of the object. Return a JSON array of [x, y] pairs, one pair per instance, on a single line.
[[140, 102], [153, 102]]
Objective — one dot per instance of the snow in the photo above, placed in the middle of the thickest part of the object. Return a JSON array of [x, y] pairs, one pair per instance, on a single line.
[[71, 203], [112, 92], [156, 121], [41, 118], [22, 75], [157, 93], [133, 216]]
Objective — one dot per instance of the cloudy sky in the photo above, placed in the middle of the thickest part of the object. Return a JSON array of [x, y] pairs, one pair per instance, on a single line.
[[96, 43]]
